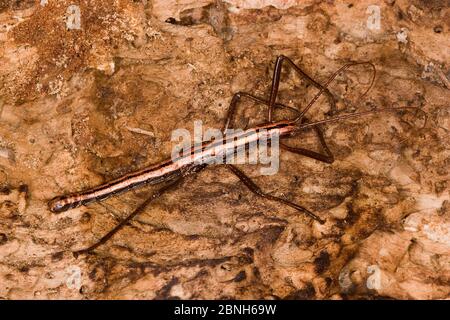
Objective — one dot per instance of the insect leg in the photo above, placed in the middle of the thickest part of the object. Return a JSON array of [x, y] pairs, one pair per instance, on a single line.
[[276, 82], [327, 157], [236, 99], [137, 211], [253, 187]]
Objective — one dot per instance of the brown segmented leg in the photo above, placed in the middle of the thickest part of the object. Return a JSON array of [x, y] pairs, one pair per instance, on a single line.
[[327, 158], [237, 98], [276, 83], [257, 190], [137, 211]]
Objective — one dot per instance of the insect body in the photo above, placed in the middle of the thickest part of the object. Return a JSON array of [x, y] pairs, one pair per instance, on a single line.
[[172, 171]]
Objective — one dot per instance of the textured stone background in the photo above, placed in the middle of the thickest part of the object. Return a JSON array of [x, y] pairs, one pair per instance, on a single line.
[[79, 107]]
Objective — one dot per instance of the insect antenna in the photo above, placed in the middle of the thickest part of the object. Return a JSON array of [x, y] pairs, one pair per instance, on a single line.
[[362, 113], [333, 76], [299, 119]]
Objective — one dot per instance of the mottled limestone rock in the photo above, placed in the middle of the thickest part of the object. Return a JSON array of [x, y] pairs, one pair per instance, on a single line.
[[81, 106]]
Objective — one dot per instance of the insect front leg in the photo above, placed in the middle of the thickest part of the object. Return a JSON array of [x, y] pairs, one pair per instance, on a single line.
[[276, 83], [327, 157]]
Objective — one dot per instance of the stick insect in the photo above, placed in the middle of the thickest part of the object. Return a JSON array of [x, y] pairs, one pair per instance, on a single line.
[[171, 172]]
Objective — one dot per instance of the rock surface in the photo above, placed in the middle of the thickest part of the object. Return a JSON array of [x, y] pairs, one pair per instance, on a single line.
[[84, 99]]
